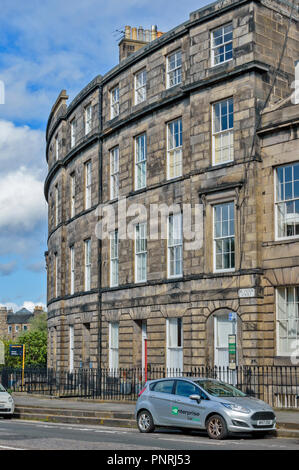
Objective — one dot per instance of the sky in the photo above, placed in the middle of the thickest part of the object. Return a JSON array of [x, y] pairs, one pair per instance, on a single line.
[[47, 46]]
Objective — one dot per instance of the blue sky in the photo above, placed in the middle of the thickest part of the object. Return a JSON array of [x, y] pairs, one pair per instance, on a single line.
[[47, 46]]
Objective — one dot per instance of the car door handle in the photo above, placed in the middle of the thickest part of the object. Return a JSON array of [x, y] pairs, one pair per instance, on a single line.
[[179, 401]]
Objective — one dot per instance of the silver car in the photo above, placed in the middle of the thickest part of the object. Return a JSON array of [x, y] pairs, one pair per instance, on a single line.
[[7, 406], [202, 404]]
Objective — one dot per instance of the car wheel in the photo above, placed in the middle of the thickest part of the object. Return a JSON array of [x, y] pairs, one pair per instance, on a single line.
[[145, 422], [7, 416], [216, 427]]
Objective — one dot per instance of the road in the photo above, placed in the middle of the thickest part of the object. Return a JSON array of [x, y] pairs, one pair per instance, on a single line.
[[34, 435]]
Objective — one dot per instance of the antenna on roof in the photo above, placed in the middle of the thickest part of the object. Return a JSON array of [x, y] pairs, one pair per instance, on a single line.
[[119, 34]]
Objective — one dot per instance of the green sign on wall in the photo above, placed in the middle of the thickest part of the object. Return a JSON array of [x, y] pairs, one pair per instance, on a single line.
[[232, 351]]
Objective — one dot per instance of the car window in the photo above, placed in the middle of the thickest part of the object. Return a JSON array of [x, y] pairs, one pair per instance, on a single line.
[[2, 389], [165, 386], [185, 389]]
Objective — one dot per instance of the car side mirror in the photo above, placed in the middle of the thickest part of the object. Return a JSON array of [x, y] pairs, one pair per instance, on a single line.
[[196, 398]]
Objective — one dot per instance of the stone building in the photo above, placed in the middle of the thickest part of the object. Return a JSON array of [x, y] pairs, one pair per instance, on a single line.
[[12, 324], [185, 124]]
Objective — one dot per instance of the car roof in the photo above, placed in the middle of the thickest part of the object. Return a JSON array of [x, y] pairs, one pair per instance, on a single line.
[[191, 379]]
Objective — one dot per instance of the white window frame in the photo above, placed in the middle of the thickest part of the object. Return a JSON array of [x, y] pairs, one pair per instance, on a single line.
[[114, 102], [73, 133], [55, 275], [114, 173], [72, 269], [56, 222], [223, 237], [175, 245], [141, 252], [56, 147], [174, 74], [16, 328], [140, 161], [140, 86], [113, 345], [88, 182], [88, 118], [71, 347], [114, 247], [291, 341], [283, 200], [173, 345], [224, 44], [87, 264], [222, 134], [174, 149], [10, 329], [73, 194]]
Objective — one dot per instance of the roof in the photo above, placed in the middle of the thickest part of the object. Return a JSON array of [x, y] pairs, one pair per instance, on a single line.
[[21, 317]]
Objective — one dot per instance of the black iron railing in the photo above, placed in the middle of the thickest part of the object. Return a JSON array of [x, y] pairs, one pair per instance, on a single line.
[[276, 385]]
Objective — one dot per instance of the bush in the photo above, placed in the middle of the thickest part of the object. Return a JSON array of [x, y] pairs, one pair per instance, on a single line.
[[35, 349]]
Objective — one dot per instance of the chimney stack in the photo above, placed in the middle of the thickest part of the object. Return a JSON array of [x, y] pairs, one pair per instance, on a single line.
[[135, 38]]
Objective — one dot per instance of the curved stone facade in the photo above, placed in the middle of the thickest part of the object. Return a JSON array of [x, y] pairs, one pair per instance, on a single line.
[[169, 153]]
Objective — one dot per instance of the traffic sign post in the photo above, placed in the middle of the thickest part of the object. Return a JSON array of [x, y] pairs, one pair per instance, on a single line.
[[18, 350]]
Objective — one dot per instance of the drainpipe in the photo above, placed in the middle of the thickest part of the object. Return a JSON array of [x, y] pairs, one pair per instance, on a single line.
[[99, 362]]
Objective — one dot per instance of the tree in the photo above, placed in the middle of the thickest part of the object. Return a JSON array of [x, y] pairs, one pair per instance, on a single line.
[[35, 341], [39, 322]]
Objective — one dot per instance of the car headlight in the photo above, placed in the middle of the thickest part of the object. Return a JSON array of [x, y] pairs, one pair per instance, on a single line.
[[10, 399], [235, 407]]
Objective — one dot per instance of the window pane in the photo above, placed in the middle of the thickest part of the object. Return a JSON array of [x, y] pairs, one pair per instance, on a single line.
[[185, 389]]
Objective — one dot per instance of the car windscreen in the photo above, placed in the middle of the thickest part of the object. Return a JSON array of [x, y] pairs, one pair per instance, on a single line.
[[219, 389], [2, 389]]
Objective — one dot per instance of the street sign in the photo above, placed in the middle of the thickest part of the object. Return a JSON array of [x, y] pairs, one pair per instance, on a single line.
[[16, 349], [232, 351], [246, 293]]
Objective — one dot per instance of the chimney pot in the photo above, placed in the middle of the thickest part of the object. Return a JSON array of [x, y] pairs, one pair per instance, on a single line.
[[128, 32]]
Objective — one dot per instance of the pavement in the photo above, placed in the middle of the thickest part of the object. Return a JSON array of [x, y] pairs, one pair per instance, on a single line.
[[111, 413]]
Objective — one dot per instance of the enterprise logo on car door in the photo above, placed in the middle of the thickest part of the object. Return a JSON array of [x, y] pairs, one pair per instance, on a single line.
[[189, 414]]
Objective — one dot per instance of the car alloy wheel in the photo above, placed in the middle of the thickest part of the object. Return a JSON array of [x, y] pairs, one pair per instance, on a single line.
[[216, 427], [145, 422]]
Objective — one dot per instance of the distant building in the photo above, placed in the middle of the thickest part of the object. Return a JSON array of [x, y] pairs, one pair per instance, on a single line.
[[12, 324]]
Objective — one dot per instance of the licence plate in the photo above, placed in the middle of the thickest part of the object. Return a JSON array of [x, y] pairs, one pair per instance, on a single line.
[[265, 422]]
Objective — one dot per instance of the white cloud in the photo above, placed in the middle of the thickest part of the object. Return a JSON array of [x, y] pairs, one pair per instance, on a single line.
[[23, 209], [21, 146], [28, 304], [7, 268], [21, 200]]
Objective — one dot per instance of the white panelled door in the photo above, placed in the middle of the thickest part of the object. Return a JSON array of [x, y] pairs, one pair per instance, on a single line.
[[223, 327], [174, 338]]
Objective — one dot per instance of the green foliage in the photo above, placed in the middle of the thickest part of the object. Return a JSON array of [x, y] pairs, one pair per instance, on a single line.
[[35, 342], [39, 322]]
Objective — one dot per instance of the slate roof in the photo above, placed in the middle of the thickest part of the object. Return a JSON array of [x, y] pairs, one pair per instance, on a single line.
[[21, 317]]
